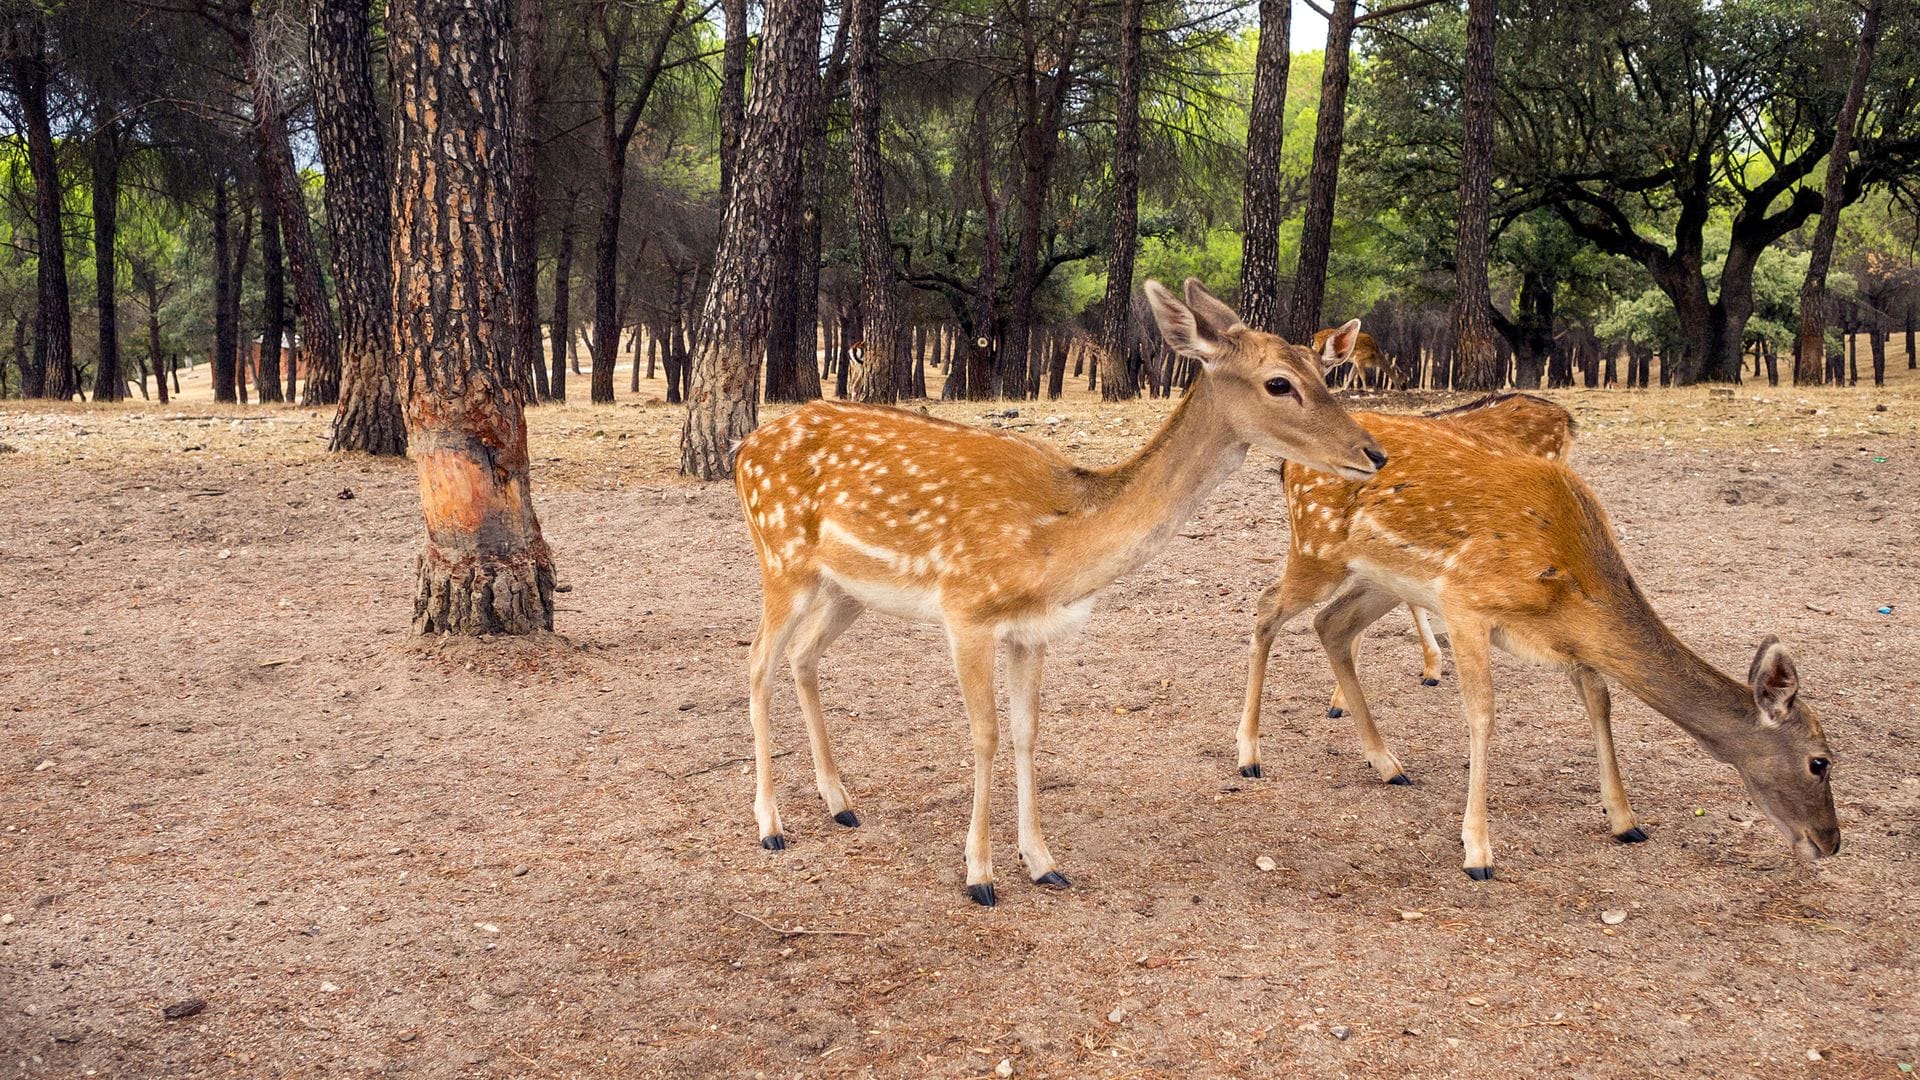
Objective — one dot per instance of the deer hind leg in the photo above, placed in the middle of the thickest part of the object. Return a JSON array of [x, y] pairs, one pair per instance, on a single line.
[[973, 661], [830, 617], [1592, 688], [1303, 585], [1024, 666], [1472, 664], [781, 611], [1339, 625], [1430, 655]]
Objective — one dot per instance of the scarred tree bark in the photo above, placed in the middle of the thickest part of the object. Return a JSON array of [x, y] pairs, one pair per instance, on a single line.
[[1266, 126], [29, 72], [723, 405], [360, 223], [1116, 345], [879, 378], [1809, 350], [486, 568], [1476, 363], [1323, 180]]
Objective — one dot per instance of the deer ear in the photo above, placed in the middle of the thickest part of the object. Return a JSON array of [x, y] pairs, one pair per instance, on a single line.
[[1183, 332], [1336, 346], [1774, 680], [1212, 311]]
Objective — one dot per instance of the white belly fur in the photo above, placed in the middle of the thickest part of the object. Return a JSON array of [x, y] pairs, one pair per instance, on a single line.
[[1048, 626], [902, 602]]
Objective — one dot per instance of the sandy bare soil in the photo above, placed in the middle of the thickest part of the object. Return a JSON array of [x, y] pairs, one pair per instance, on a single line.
[[229, 775]]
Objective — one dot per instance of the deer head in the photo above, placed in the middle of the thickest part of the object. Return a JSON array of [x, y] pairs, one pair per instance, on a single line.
[[1784, 760], [1271, 394]]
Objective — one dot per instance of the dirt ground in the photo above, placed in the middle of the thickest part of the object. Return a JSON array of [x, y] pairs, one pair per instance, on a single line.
[[228, 774]]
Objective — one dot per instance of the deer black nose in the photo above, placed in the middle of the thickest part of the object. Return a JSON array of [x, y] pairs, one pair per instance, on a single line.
[[1379, 459]]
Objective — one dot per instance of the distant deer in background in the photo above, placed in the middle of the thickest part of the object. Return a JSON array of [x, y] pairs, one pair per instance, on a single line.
[[1514, 550], [1529, 424], [1000, 538], [1369, 365]]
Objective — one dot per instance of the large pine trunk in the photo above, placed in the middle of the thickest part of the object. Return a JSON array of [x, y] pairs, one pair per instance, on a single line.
[[1266, 125], [360, 223], [1477, 363], [1810, 346], [1039, 148], [53, 320], [104, 151], [733, 90], [1116, 345], [485, 568], [880, 375], [724, 403], [1323, 180]]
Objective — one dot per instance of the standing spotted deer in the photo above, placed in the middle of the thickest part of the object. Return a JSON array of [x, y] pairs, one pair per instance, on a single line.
[[1000, 538], [1514, 550], [1528, 424], [1368, 363]]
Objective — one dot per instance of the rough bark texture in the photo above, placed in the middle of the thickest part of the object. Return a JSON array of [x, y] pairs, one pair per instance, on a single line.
[[1116, 345], [104, 151], [273, 302], [225, 332], [1039, 148], [359, 221], [723, 403], [30, 73], [485, 568], [1266, 125], [880, 375], [733, 90], [319, 341], [1477, 364], [1323, 180], [528, 26], [560, 328], [1810, 345]]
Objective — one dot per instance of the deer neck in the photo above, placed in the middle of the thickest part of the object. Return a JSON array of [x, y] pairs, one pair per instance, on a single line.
[[1137, 505], [1647, 659]]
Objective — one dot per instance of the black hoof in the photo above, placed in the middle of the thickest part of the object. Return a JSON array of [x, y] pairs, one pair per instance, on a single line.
[[1336, 712], [1400, 780], [1251, 772], [1429, 682], [776, 842], [1054, 878], [981, 894], [1480, 873], [1631, 836], [847, 818]]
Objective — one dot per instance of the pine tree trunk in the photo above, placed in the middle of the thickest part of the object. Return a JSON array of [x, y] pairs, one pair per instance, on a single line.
[[528, 27], [560, 329], [1323, 180], [273, 300], [1266, 125], [30, 73], [733, 90], [240, 252], [1039, 148], [225, 332], [724, 399], [485, 568], [879, 376], [1477, 364], [104, 150], [1115, 343], [1810, 347]]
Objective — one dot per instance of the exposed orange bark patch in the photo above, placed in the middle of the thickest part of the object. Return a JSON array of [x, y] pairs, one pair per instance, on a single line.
[[455, 491]]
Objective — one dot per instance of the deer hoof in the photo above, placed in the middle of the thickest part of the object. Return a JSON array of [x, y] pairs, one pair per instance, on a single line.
[[1424, 681], [1631, 836], [847, 818], [1336, 712], [776, 842], [1251, 772], [1054, 878], [981, 894], [1480, 873], [1400, 780]]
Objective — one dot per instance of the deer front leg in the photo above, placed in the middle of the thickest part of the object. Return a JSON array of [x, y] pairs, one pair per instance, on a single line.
[[1430, 657], [1303, 585], [779, 613], [1473, 666], [830, 618], [1024, 666], [1592, 688], [973, 662], [1339, 625]]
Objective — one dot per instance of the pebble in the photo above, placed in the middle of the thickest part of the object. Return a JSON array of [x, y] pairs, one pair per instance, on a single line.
[[487, 927], [1412, 916], [519, 871], [1266, 864], [1340, 1031], [6, 920], [1613, 916], [329, 988], [180, 1010], [1814, 1055], [1005, 1068]]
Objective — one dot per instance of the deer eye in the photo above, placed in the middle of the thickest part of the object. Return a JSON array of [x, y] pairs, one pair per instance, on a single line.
[[1279, 386], [1819, 766]]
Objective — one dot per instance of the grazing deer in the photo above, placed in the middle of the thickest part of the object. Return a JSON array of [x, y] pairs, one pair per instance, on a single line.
[[1001, 538], [1515, 551], [1368, 364], [1532, 425]]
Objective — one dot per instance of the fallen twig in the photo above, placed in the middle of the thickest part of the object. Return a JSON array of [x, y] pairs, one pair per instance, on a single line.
[[722, 765], [97, 704], [798, 931]]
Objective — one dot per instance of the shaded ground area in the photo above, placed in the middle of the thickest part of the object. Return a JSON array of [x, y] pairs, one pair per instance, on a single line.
[[227, 773]]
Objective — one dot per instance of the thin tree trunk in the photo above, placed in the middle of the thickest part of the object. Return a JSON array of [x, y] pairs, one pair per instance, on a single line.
[[1039, 147], [528, 27], [225, 333], [1810, 347], [104, 150], [1266, 125], [560, 329], [879, 376], [273, 300], [1323, 180], [485, 568], [1115, 343], [1476, 364], [1876, 341], [724, 400], [30, 74]]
